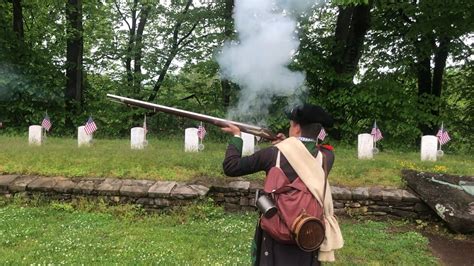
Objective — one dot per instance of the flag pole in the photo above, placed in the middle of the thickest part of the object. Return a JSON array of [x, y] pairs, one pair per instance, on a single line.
[[42, 128], [200, 138], [373, 136], [442, 131], [146, 129], [317, 137]]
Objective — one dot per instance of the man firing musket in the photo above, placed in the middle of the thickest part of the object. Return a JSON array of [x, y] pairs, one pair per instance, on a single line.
[[305, 230]]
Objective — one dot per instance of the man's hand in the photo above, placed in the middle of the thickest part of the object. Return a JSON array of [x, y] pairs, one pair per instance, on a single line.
[[231, 129], [280, 137]]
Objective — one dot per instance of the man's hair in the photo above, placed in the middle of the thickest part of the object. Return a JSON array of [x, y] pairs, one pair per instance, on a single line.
[[310, 130]]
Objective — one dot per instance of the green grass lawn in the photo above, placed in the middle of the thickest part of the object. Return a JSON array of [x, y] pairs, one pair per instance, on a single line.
[[166, 160], [83, 233]]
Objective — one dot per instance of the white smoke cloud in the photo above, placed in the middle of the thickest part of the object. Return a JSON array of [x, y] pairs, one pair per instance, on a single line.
[[258, 61], [298, 6]]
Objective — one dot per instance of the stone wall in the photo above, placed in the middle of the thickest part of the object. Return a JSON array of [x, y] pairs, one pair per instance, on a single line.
[[234, 196], [374, 201]]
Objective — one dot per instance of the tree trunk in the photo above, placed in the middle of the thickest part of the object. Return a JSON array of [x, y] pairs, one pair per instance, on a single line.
[[440, 63], [343, 23], [162, 75], [352, 24], [359, 26], [74, 72], [139, 49], [430, 83], [423, 72], [130, 48], [435, 82], [18, 19], [228, 33]]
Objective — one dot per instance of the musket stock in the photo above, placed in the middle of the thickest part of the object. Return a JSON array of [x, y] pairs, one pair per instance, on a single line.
[[251, 129]]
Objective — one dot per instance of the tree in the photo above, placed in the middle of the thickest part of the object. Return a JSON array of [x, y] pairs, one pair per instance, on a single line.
[[416, 39], [74, 70], [177, 43], [139, 13], [352, 24], [192, 29]]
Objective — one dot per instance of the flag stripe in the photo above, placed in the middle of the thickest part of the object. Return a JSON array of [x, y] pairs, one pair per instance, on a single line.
[[322, 134], [46, 123], [201, 132], [90, 126], [376, 133], [443, 136]]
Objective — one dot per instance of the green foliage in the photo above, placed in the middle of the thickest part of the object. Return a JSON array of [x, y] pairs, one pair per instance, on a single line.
[[61, 206], [350, 2], [30, 82], [386, 88], [49, 234], [387, 101], [32, 79], [385, 247], [56, 236], [457, 111]]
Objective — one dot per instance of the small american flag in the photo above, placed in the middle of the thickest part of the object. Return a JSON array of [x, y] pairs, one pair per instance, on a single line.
[[443, 136], [144, 125], [201, 132], [90, 126], [376, 133], [322, 134], [46, 123]]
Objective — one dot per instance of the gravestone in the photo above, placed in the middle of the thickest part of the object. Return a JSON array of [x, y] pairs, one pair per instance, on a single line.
[[83, 139], [191, 140], [35, 135], [137, 141], [249, 143], [429, 148], [365, 146]]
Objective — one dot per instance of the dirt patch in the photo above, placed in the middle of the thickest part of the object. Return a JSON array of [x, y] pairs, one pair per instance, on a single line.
[[451, 251], [449, 248]]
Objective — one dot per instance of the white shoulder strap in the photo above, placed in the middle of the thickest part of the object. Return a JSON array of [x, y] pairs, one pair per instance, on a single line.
[[278, 160], [308, 168]]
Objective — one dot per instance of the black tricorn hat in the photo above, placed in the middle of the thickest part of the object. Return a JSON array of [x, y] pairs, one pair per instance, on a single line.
[[309, 114]]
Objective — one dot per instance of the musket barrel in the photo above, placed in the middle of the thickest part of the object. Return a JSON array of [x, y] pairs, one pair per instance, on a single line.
[[251, 129]]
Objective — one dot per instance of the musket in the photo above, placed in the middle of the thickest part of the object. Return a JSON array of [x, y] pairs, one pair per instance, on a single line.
[[251, 129]]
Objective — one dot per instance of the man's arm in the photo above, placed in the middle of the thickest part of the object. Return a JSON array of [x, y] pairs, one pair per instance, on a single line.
[[329, 154], [236, 165]]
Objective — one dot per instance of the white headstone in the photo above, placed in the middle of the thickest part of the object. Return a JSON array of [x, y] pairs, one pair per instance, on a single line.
[[137, 136], [35, 135], [365, 146], [429, 147], [249, 144], [83, 139], [191, 140]]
